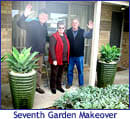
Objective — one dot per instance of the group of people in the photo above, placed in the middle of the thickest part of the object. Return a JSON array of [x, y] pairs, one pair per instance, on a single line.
[[64, 47]]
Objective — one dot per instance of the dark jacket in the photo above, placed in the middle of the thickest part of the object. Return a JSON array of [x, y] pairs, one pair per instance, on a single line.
[[59, 49], [77, 43], [36, 34]]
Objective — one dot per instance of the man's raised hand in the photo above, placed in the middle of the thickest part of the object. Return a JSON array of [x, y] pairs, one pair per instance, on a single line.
[[28, 10], [90, 25]]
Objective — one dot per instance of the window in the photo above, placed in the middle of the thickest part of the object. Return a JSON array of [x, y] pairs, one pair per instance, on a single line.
[[58, 11]]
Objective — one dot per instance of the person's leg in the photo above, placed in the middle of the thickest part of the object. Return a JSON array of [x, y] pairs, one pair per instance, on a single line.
[[79, 64], [39, 74], [59, 78], [70, 72], [54, 70]]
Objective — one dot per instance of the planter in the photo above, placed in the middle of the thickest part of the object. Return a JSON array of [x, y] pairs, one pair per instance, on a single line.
[[22, 89], [105, 73]]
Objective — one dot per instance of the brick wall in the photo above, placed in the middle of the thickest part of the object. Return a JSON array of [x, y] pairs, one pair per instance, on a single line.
[[105, 25], [6, 36], [124, 60], [105, 28]]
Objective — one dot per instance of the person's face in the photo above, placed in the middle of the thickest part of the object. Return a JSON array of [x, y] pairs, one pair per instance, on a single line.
[[61, 29], [43, 17], [75, 24]]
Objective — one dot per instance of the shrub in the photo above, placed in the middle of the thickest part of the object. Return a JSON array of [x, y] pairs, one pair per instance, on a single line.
[[3, 58], [22, 62], [111, 97], [109, 54]]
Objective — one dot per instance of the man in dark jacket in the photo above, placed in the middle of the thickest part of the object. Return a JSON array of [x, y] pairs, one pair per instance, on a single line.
[[36, 34], [76, 37]]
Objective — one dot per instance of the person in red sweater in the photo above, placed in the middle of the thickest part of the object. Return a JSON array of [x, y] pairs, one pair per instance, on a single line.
[[59, 49]]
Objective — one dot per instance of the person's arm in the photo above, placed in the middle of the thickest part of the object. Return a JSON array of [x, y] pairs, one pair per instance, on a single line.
[[22, 21], [52, 45], [88, 34]]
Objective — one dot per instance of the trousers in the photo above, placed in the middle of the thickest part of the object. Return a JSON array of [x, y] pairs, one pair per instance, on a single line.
[[79, 64], [56, 76]]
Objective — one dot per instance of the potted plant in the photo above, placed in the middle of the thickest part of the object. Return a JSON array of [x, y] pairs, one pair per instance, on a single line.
[[22, 77], [107, 65]]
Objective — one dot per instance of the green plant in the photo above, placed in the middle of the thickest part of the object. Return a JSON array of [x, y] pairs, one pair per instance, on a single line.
[[22, 62], [109, 54], [111, 97], [3, 58]]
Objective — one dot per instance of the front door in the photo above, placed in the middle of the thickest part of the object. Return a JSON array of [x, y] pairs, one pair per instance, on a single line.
[[115, 36]]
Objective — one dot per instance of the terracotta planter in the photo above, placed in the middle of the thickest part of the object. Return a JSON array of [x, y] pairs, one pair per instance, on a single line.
[[105, 73], [22, 89]]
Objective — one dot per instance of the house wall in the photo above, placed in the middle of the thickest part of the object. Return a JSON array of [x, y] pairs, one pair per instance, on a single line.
[[6, 36], [105, 29], [105, 25], [124, 61]]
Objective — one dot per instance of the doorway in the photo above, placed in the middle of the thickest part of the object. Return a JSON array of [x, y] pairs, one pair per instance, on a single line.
[[115, 35]]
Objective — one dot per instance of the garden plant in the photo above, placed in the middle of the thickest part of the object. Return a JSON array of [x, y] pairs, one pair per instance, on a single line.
[[107, 65], [111, 97], [22, 77]]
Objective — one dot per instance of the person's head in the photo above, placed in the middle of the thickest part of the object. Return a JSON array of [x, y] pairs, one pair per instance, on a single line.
[[75, 24], [60, 27], [42, 15]]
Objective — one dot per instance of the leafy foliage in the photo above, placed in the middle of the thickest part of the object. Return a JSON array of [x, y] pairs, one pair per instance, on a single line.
[[111, 97], [22, 62], [3, 58], [109, 54]]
